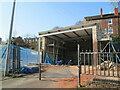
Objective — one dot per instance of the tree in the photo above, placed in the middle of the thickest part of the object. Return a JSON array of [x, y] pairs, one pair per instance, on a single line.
[[56, 27], [79, 22], [18, 41], [116, 39]]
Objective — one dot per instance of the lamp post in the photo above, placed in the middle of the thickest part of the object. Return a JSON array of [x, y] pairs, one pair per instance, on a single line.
[[9, 41]]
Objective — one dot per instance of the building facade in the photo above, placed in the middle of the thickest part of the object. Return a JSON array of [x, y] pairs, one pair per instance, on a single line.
[[109, 23], [32, 42]]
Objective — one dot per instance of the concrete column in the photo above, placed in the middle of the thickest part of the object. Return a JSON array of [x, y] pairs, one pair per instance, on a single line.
[[95, 45], [44, 47]]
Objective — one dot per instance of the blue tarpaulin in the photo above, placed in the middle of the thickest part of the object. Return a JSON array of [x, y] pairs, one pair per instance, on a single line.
[[59, 62], [48, 60], [28, 70]]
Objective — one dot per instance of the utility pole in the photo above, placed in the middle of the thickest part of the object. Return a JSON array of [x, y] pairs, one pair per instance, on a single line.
[[9, 41]]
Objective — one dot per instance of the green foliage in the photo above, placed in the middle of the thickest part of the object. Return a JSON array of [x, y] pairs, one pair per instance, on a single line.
[[116, 39]]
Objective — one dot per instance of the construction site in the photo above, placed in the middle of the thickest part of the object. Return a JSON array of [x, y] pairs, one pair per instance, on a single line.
[[63, 44], [83, 55], [89, 45]]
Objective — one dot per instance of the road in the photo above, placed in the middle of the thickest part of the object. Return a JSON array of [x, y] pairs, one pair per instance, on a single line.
[[50, 77]]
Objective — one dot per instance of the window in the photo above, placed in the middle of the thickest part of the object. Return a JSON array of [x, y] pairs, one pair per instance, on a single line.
[[109, 21], [110, 30], [105, 30]]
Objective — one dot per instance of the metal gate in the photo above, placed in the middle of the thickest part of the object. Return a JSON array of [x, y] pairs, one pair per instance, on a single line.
[[106, 64]]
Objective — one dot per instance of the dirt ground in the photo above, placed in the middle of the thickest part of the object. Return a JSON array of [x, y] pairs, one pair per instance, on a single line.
[[73, 82], [86, 80], [58, 76]]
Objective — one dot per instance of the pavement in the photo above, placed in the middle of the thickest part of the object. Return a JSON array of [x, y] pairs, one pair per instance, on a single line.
[[50, 79]]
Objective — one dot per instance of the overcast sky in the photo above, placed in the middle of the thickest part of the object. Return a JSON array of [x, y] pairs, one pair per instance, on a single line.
[[33, 17]]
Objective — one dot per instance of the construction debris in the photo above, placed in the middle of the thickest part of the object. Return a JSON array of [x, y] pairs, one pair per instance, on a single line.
[[106, 65]]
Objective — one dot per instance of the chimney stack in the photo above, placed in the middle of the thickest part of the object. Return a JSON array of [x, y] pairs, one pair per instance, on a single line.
[[101, 12], [115, 11]]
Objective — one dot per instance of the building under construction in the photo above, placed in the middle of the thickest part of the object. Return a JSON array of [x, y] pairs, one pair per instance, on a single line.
[[93, 35]]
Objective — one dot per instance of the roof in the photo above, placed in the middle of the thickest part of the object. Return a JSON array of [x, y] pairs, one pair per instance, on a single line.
[[75, 33], [105, 16], [68, 28]]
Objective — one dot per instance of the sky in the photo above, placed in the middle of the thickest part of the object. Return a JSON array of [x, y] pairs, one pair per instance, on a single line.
[[33, 17]]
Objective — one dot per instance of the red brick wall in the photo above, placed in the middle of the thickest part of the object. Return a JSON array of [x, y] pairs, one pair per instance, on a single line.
[[119, 26], [115, 24], [104, 24]]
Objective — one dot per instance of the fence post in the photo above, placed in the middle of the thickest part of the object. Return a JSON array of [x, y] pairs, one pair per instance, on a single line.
[[79, 66], [18, 59], [13, 60]]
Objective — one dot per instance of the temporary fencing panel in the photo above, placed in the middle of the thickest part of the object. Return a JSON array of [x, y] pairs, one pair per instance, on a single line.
[[19, 56]]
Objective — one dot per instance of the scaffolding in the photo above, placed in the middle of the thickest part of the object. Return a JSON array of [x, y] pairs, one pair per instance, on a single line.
[[109, 47]]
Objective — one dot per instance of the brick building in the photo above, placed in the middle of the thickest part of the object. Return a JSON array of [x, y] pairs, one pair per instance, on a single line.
[[109, 23]]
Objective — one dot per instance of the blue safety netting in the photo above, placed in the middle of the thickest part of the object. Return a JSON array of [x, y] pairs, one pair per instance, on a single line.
[[3, 49], [27, 56]]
